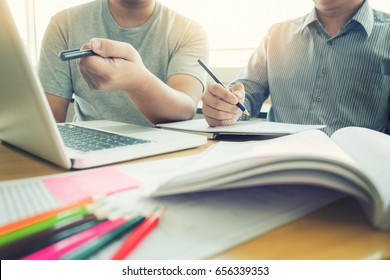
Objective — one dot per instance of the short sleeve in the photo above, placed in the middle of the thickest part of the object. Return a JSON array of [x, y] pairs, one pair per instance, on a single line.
[[55, 74], [189, 47]]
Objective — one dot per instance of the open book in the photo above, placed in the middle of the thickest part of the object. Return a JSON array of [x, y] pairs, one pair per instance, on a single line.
[[256, 127], [355, 161]]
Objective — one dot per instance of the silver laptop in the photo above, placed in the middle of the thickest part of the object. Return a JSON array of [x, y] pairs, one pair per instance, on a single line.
[[26, 120]]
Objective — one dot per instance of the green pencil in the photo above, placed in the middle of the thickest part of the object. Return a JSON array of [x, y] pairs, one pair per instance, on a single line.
[[96, 244], [45, 224]]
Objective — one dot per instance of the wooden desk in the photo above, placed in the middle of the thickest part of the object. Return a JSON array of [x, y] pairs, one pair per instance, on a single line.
[[337, 231]]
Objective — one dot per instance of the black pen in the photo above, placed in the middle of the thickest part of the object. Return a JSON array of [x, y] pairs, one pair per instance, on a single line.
[[74, 54], [239, 105]]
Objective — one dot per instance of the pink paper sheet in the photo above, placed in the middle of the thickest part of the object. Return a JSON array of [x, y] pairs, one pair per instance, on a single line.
[[99, 181]]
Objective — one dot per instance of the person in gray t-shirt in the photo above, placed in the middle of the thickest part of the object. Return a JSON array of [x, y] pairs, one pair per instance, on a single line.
[[146, 71]]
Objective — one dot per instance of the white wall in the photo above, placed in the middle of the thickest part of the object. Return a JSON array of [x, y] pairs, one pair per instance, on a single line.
[[234, 27]]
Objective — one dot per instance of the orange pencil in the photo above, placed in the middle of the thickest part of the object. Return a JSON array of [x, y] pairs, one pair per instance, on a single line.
[[136, 236], [44, 215]]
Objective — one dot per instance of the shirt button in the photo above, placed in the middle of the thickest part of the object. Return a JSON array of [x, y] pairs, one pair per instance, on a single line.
[[325, 70], [318, 98]]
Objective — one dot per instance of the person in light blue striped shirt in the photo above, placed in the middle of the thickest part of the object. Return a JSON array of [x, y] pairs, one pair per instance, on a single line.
[[329, 67]]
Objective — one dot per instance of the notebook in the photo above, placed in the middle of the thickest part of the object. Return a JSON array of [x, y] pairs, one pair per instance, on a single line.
[[254, 127], [26, 120]]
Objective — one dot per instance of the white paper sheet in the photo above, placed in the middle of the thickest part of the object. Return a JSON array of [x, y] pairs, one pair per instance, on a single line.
[[200, 225]]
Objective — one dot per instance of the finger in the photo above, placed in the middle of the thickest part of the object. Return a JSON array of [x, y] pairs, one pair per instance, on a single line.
[[86, 46], [97, 67], [238, 90], [214, 102], [218, 114], [221, 113], [89, 78], [115, 49], [222, 93]]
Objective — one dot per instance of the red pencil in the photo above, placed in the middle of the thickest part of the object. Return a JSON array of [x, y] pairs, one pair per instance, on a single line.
[[136, 236]]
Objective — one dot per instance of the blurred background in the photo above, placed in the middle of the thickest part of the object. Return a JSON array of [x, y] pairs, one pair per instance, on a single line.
[[234, 28]]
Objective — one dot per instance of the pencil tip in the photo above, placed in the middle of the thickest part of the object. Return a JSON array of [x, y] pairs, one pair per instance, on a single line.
[[246, 113], [160, 210]]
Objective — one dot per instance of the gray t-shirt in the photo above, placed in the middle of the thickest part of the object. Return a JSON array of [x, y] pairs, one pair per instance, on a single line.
[[168, 43]]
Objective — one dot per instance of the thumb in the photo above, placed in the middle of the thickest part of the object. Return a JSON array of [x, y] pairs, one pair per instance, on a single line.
[[110, 48], [238, 90]]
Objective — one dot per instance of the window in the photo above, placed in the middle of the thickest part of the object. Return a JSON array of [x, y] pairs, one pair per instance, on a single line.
[[21, 17], [32, 17], [234, 27]]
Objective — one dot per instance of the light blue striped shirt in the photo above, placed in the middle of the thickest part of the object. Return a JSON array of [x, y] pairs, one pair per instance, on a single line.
[[314, 79]]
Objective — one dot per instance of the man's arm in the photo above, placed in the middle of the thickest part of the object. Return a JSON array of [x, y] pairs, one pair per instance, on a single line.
[[159, 102], [59, 107], [119, 66]]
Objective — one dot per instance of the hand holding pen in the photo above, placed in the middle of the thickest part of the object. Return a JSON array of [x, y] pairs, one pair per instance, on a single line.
[[217, 107], [107, 65]]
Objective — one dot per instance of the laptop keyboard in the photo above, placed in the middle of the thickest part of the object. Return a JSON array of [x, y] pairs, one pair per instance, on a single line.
[[86, 139]]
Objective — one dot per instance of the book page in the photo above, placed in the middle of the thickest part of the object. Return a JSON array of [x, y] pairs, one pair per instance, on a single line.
[[312, 143], [201, 225], [371, 150], [304, 153]]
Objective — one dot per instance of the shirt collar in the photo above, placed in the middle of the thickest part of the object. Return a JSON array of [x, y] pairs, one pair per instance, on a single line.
[[364, 16], [310, 18]]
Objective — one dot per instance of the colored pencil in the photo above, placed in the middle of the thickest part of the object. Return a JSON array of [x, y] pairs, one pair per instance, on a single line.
[[42, 239], [57, 250], [137, 235], [42, 225], [45, 215], [85, 251]]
